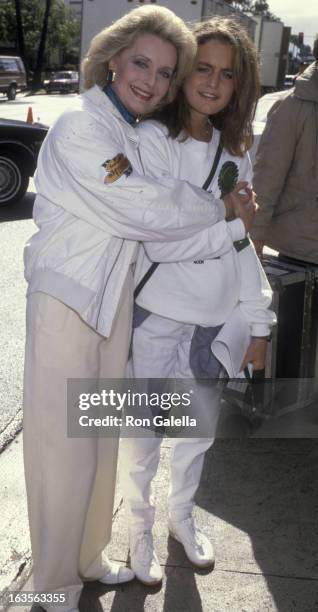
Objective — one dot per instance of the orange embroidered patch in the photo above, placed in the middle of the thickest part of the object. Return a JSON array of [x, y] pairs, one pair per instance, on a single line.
[[116, 167]]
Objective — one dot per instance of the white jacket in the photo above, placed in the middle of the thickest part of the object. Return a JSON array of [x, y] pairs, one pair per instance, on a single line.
[[88, 227], [200, 292]]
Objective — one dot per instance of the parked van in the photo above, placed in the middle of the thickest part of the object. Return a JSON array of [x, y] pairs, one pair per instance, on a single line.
[[12, 75]]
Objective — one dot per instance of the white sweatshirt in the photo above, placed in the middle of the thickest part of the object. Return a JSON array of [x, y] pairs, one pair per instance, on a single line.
[[201, 292]]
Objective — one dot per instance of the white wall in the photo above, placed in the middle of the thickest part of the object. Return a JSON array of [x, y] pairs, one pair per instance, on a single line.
[[97, 14]]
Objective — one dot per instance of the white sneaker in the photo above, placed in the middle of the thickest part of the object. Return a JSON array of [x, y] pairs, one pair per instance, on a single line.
[[143, 558], [198, 548], [117, 574]]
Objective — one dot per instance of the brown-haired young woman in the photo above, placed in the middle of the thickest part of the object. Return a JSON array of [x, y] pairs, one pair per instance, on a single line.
[[184, 308]]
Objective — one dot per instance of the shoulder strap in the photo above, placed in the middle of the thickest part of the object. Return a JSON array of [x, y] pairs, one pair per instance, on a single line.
[[214, 166], [208, 181], [145, 278]]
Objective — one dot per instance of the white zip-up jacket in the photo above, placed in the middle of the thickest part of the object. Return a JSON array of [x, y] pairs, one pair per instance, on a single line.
[[203, 292], [94, 203]]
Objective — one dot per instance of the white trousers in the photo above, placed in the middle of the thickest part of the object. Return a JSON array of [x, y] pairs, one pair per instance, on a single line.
[[160, 349], [70, 481]]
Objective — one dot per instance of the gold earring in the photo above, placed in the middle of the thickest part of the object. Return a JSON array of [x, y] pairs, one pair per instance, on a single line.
[[110, 76]]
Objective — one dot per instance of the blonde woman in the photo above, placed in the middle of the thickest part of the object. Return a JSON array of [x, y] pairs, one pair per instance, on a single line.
[[93, 204]]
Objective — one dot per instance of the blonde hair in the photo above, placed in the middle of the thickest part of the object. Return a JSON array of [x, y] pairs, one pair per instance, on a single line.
[[155, 20]]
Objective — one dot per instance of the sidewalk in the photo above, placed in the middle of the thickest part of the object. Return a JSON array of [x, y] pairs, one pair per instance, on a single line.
[[258, 502]]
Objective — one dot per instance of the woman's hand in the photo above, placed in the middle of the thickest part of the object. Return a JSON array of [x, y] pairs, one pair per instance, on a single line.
[[259, 246], [241, 205], [256, 354], [232, 198]]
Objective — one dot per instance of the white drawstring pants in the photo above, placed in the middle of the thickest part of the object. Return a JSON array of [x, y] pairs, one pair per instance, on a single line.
[[70, 481], [161, 350]]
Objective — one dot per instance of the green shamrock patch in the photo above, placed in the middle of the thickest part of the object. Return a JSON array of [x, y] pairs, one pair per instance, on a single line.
[[227, 180], [228, 177]]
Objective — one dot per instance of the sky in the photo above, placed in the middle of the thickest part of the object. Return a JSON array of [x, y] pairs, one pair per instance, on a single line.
[[301, 16]]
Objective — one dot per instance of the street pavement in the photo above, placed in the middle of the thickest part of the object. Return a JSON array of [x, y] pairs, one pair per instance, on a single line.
[[13, 236], [45, 108], [258, 503]]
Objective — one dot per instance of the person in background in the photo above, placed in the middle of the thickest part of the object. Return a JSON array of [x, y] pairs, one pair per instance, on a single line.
[[302, 67], [93, 204], [185, 303], [286, 183], [286, 173]]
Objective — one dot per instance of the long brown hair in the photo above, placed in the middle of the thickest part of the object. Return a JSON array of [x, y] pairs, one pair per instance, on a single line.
[[235, 121]]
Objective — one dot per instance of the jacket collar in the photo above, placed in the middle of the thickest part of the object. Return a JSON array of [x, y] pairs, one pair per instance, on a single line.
[[128, 116], [103, 105]]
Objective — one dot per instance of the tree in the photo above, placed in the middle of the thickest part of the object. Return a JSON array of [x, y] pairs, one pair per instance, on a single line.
[[8, 29], [260, 7], [36, 83], [62, 30], [257, 7], [240, 5], [20, 35]]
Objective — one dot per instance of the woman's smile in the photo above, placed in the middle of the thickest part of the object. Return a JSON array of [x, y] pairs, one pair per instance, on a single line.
[[143, 73], [140, 93]]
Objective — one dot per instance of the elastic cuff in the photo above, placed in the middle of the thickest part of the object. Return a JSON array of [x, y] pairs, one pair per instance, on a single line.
[[181, 515], [260, 330], [221, 209], [237, 229]]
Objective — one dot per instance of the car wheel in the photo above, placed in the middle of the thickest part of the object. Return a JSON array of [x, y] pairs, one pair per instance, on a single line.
[[13, 180], [12, 92]]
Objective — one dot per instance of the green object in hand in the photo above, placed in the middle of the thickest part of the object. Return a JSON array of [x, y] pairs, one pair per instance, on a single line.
[[228, 177]]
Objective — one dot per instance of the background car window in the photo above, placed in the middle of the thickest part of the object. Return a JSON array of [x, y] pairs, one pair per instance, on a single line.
[[9, 65], [63, 75]]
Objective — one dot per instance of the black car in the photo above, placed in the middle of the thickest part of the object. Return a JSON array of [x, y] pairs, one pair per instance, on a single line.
[[66, 81], [20, 143]]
